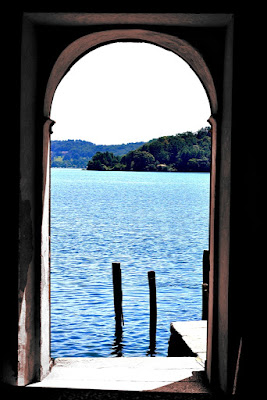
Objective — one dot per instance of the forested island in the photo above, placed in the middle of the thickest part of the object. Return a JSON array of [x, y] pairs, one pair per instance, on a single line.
[[184, 152]]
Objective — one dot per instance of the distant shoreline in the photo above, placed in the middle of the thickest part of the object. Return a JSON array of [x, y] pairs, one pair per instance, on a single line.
[[183, 152], [94, 170]]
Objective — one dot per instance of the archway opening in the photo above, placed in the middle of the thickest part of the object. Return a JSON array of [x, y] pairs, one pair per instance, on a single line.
[[151, 204]]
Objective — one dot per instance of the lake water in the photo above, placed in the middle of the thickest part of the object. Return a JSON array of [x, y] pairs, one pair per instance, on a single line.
[[144, 220]]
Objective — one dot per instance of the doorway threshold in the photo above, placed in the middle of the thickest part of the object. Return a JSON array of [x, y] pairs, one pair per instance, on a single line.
[[122, 373]]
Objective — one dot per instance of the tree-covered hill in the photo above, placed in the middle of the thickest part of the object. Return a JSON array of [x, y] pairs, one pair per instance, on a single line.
[[187, 152], [76, 153]]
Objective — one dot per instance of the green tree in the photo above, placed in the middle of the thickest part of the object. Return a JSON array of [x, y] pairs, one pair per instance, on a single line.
[[103, 161], [142, 160]]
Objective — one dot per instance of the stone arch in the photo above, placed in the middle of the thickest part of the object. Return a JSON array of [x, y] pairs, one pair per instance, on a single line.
[[79, 47]]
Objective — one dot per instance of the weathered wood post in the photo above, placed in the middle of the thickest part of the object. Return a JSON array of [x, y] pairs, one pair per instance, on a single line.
[[153, 311], [205, 285], [116, 272]]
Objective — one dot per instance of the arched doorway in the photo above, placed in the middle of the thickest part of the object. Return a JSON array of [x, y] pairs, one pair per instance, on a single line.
[[89, 42]]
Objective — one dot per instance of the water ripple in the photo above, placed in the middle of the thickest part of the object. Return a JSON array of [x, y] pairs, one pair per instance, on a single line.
[[143, 220]]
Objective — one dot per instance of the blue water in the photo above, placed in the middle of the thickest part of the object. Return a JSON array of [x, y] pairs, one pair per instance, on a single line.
[[144, 220]]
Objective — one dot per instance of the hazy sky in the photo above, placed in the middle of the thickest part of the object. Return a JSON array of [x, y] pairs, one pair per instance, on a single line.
[[128, 92]]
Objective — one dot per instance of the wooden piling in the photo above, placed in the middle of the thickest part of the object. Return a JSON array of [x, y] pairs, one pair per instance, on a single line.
[[117, 290], [153, 310]]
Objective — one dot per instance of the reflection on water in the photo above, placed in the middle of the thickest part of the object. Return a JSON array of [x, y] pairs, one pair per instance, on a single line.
[[117, 347], [152, 349]]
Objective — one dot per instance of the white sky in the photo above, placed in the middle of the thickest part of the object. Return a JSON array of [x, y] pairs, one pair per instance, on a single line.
[[128, 92]]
